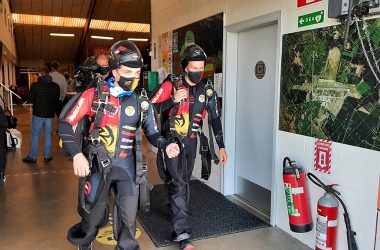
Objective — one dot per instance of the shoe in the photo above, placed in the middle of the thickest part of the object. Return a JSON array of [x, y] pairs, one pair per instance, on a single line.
[[29, 159], [2, 178], [47, 159], [186, 245]]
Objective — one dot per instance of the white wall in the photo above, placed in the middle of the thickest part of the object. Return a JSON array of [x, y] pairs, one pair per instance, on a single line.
[[8, 58], [6, 36], [356, 170], [6, 71]]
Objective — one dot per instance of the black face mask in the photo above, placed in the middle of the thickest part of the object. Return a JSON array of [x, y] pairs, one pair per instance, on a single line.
[[128, 84], [103, 70], [195, 76]]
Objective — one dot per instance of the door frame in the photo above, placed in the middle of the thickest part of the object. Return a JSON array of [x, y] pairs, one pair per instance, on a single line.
[[230, 97]]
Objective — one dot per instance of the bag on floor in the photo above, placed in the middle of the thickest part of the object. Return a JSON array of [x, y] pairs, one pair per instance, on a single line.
[[11, 120]]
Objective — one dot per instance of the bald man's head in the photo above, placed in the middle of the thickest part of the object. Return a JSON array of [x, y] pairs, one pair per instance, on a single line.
[[102, 60]]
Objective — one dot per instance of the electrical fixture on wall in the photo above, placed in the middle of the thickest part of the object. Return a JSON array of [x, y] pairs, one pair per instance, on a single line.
[[347, 11], [352, 13]]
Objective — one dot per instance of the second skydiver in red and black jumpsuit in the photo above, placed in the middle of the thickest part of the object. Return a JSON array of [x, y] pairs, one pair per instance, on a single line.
[[187, 101]]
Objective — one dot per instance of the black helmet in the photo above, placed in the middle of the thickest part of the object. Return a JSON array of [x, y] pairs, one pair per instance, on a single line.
[[125, 53], [192, 53]]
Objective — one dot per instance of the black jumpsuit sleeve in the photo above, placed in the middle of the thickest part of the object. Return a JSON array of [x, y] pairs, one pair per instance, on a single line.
[[68, 138], [214, 111], [149, 125]]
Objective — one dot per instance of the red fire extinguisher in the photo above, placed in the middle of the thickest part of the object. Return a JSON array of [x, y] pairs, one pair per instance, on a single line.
[[327, 222], [297, 199], [327, 219]]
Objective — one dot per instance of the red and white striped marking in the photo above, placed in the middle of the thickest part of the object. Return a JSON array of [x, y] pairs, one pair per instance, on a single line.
[[322, 155]]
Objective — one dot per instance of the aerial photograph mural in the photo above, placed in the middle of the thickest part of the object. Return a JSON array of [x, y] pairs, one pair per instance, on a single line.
[[329, 91]]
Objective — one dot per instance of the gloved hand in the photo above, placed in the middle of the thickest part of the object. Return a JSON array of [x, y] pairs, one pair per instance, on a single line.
[[81, 166], [180, 95], [172, 150]]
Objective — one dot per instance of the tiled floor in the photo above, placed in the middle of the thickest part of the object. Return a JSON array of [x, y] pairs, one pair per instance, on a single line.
[[38, 205]]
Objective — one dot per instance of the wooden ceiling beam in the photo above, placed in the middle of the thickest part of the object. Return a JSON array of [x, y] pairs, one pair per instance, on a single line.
[[86, 27]]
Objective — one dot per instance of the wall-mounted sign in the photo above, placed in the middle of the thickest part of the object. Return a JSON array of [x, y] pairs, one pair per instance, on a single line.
[[260, 69], [322, 157], [301, 3], [175, 42], [311, 19]]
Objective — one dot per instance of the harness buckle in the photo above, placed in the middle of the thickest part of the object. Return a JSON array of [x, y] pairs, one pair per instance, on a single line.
[[144, 167], [144, 93], [105, 163], [204, 148], [95, 141]]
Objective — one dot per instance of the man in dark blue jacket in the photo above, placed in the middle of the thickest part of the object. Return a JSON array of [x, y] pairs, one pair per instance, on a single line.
[[44, 95]]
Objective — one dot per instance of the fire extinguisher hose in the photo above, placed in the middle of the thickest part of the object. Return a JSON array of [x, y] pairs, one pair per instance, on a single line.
[[293, 165], [329, 189]]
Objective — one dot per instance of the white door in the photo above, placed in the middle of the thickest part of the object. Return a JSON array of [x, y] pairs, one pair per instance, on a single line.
[[255, 115]]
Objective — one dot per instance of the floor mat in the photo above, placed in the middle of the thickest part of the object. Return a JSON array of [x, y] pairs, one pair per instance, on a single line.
[[210, 215]]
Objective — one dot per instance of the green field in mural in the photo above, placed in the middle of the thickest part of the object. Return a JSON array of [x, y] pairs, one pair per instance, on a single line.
[[329, 92]]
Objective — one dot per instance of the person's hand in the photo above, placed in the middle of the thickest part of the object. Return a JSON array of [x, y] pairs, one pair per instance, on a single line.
[[172, 150], [180, 95], [81, 166], [222, 156]]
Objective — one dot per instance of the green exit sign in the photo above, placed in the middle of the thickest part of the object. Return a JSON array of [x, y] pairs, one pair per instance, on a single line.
[[311, 19]]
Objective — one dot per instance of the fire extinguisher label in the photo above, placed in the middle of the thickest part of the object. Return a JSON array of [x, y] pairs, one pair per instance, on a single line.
[[298, 190], [321, 240], [332, 223], [289, 198]]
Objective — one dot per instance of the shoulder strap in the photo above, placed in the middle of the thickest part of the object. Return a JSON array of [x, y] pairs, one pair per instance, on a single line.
[[141, 166], [144, 104]]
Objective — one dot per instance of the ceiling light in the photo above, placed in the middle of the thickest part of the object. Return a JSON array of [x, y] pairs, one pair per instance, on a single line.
[[119, 26], [61, 34], [102, 37], [58, 21], [138, 39], [48, 20]]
